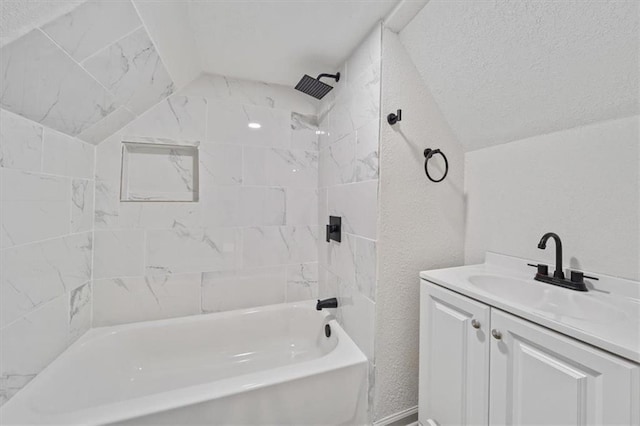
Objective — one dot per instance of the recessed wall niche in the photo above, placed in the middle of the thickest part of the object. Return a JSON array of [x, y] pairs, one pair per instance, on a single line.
[[159, 170]]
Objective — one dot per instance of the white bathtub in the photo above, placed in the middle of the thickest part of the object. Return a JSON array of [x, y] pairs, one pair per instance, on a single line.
[[271, 365]]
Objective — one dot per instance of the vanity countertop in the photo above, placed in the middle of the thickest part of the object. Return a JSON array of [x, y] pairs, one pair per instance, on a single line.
[[607, 316]]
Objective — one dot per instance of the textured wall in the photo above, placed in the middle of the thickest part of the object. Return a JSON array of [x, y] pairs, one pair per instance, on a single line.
[[17, 17], [250, 240], [580, 183], [46, 205], [505, 70], [349, 188], [421, 224]]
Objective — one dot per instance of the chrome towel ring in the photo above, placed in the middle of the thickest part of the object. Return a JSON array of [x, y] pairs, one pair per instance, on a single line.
[[428, 153]]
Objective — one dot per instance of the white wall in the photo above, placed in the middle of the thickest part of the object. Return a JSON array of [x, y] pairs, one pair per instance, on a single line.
[[581, 183], [421, 223]]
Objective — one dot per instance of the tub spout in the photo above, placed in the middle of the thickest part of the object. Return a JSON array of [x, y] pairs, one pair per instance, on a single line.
[[327, 303]]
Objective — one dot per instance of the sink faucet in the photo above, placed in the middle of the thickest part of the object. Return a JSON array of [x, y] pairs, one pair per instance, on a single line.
[[543, 245], [577, 278]]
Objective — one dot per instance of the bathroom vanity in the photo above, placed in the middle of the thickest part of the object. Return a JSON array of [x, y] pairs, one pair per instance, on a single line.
[[497, 347]]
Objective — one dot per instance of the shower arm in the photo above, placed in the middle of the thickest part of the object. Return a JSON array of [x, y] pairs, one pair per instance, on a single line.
[[336, 77]]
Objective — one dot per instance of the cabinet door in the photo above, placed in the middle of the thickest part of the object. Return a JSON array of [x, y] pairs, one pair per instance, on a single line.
[[454, 358], [540, 377]]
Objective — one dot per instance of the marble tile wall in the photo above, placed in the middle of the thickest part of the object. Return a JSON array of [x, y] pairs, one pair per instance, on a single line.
[[251, 239], [74, 256], [348, 187], [87, 73], [46, 243]]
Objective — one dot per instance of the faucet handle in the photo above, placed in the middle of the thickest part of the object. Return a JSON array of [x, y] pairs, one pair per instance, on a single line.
[[578, 277], [542, 269]]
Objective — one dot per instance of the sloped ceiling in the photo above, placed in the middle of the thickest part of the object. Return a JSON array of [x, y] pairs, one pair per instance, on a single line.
[[279, 41], [88, 68], [86, 73], [505, 70]]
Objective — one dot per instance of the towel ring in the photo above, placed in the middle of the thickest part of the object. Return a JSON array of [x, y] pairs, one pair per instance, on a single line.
[[428, 153]]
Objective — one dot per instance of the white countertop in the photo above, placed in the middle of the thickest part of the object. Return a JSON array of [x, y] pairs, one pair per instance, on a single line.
[[610, 320]]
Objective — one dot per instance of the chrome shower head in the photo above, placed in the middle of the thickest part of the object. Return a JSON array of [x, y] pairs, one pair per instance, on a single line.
[[314, 87]]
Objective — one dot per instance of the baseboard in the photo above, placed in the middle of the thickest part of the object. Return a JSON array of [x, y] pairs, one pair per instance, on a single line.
[[403, 418]]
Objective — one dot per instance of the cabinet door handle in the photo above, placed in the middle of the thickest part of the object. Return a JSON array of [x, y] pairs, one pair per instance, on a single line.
[[475, 323], [496, 334]]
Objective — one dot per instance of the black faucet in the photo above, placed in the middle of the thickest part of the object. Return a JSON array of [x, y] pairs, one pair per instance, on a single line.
[[577, 278], [327, 303], [543, 245]]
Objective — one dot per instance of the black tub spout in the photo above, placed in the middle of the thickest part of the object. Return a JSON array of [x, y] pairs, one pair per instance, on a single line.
[[327, 303]]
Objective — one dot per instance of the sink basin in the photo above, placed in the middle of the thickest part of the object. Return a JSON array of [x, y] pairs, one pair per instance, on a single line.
[[512, 289], [580, 306], [548, 300]]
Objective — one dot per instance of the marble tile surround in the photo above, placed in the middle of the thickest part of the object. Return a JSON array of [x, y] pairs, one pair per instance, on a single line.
[[131, 69], [252, 237], [45, 85], [46, 222], [92, 27], [256, 235], [348, 187], [87, 73]]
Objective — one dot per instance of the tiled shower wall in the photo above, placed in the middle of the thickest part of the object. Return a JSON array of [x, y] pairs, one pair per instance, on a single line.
[[252, 237], [76, 79], [46, 217], [74, 255], [85, 74], [348, 182]]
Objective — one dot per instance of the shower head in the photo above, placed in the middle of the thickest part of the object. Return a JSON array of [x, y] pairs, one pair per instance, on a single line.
[[314, 87]]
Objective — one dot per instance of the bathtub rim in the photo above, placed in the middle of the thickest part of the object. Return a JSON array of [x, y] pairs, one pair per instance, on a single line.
[[18, 409]]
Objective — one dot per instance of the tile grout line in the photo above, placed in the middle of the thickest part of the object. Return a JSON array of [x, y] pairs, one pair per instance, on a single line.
[[17, 246], [42, 305], [155, 46], [83, 69], [109, 92], [44, 174], [202, 213], [104, 48], [93, 235]]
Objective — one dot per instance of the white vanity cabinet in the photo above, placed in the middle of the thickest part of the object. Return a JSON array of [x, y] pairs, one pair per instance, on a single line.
[[454, 358], [509, 371]]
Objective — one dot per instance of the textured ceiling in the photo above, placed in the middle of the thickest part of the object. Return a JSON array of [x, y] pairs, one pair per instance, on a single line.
[[17, 17], [278, 41], [504, 70]]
